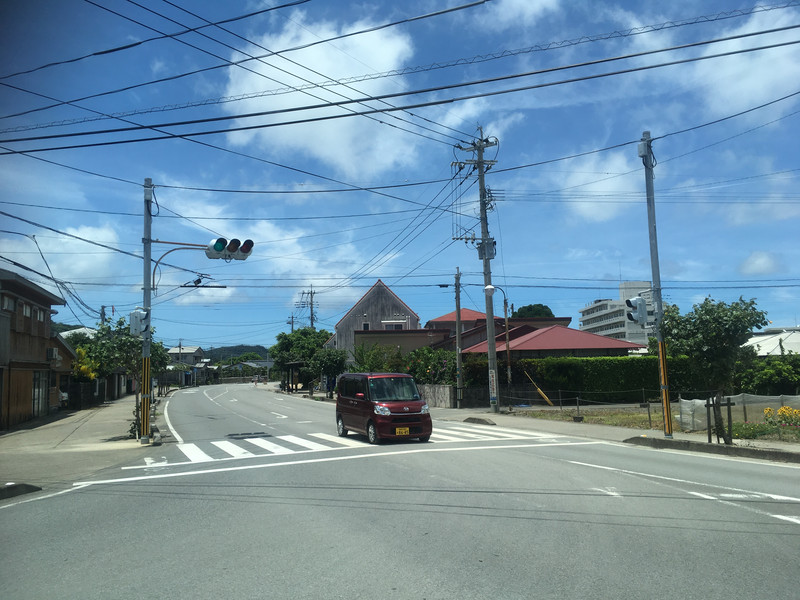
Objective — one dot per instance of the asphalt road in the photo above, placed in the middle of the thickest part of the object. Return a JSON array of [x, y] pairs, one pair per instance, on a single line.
[[478, 512]]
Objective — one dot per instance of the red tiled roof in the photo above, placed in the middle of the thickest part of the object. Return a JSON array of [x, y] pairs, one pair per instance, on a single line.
[[467, 314], [557, 337]]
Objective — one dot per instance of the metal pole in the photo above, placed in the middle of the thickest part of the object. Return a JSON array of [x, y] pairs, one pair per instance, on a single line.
[[646, 154], [146, 335]]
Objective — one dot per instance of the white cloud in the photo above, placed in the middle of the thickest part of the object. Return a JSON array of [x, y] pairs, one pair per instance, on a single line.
[[504, 14], [759, 263], [355, 146], [596, 198], [745, 80]]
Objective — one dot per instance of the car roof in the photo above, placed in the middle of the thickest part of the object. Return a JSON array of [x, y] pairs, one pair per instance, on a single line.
[[375, 375]]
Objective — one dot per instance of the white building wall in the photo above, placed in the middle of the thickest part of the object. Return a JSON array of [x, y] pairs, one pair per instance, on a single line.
[[608, 317]]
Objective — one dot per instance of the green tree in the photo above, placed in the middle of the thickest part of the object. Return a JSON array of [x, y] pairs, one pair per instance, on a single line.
[[772, 376], [712, 335], [114, 349], [300, 346], [427, 365], [329, 362], [533, 311], [377, 359]]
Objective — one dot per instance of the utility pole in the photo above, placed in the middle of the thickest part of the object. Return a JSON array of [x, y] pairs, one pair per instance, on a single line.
[[459, 373], [307, 303], [645, 151], [144, 421], [291, 322], [486, 252]]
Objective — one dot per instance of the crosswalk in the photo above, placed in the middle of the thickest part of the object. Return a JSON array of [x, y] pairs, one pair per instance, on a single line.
[[250, 447]]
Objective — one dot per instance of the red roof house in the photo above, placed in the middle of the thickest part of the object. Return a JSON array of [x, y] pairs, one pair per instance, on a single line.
[[556, 340]]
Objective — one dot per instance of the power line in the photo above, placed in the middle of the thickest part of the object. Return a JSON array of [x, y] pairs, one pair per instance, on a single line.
[[419, 69], [386, 96], [142, 42], [299, 47]]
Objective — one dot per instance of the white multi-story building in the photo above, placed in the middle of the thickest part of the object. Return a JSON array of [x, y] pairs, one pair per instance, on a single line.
[[609, 317]]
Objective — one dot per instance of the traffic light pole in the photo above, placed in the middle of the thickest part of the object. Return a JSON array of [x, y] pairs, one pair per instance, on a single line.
[[147, 382], [646, 154]]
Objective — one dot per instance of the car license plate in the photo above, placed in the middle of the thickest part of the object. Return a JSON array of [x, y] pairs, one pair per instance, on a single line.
[[401, 431]]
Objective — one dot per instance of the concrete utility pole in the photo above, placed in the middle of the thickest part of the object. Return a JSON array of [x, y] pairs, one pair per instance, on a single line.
[[486, 252], [307, 303], [646, 154], [146, 395], [459, 373]]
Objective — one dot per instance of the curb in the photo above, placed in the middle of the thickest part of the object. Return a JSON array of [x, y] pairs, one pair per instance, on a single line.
[[479, 421], [740, 451], [11, 490]]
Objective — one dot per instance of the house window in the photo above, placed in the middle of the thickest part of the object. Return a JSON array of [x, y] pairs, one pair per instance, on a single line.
[[26, 310], [40, 389], [365, 326], [9, 304], [393, 326]]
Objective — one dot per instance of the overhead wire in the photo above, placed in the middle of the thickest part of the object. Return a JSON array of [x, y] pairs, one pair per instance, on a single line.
[[260, 60], [203, 70], [435, 102], [439, 65]]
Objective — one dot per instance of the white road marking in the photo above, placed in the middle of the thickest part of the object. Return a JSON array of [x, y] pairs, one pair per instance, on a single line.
[[304, 443], [279, 415], [438, 436], [193, 453], [169, 424], [721, 498], [787, 518], [344, 441], [703, 496], [232, 449], [611, 491], [421, 449], [517, 432], [269, 446]]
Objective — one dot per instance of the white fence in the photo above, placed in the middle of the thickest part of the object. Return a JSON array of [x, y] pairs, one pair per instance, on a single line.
[[748, 407]]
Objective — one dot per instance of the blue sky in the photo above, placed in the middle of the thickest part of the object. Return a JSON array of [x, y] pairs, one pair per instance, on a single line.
[[336, 200]]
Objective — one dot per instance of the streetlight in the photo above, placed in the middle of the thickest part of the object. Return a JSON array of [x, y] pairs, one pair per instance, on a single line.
[[489, 291]]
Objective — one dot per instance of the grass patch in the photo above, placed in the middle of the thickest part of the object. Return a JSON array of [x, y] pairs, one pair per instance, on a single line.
[[766, 431], [633, 417], [636, 418]]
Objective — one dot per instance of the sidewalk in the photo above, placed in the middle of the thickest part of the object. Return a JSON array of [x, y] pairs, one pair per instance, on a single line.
[[52, 452], [653, 438]]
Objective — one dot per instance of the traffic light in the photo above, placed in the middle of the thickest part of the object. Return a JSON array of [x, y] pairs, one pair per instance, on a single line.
[[229, 249], [244, 250], [639, 312], [216, 248], [139, 321]]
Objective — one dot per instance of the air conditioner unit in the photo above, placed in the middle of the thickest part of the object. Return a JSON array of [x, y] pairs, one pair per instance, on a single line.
[[52, 354]]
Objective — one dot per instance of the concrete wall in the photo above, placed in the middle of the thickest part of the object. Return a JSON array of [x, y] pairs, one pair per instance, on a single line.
[[439, 396]]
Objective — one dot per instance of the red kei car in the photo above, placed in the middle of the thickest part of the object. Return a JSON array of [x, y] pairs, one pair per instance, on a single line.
[[381, 406]]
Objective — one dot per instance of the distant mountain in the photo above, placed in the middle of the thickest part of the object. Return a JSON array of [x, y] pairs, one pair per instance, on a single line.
[[225, 353]]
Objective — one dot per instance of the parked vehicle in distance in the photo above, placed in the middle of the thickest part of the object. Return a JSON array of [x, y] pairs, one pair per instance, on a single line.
[[381, 406]]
